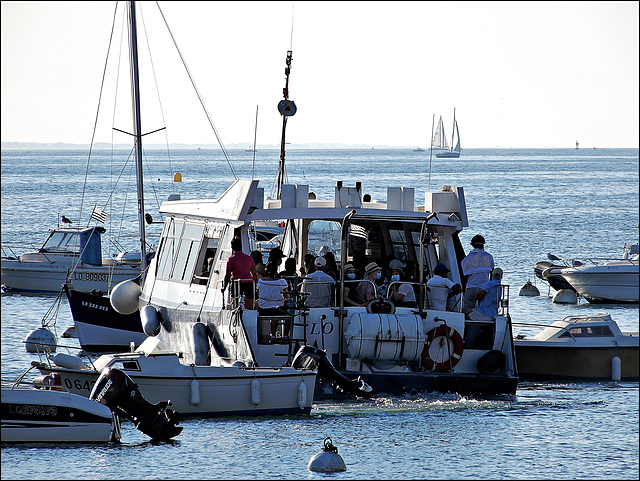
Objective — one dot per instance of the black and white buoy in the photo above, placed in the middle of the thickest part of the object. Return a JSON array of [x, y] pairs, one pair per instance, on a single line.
[[328, 460]]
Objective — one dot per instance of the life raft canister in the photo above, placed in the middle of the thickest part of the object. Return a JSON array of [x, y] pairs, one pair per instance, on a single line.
[[437, 342]]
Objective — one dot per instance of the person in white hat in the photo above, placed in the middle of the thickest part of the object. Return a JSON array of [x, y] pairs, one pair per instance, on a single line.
[[488, 297], [318, 284], [366, 290]]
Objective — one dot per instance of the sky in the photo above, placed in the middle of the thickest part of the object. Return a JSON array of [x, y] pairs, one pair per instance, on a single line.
[[519, 74]]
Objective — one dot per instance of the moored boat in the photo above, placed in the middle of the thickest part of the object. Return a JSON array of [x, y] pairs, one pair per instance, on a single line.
[[579, 348]]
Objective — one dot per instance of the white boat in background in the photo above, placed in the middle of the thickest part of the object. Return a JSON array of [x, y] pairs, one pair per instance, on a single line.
[[452, 152], [578, 348], [604, 280], [71, 255], [42, 415]]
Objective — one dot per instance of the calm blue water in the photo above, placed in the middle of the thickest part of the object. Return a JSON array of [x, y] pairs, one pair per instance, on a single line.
[[526, 203]]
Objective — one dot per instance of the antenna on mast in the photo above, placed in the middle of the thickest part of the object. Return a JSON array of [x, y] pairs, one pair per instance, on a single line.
[[287, 108]]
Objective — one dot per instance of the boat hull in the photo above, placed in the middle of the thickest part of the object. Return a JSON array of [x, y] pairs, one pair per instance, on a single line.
[[219, 391], [39, 277], [43, 416], [99, 327], [608, 283], [554, 279], [558, 362], [448, 155]]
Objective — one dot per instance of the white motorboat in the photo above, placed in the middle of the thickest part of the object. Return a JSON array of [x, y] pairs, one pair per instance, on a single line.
[[603, 280], [40, 415], [195, 390], [71, 255], [45, 411], [579, 347]]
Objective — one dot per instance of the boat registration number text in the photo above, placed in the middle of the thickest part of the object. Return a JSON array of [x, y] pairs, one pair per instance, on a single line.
[[90, 276], [78, 385]]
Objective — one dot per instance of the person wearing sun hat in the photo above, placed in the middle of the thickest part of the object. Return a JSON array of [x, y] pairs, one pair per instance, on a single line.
[[476, 267], [366, 290], [349, 291], [488, 297]]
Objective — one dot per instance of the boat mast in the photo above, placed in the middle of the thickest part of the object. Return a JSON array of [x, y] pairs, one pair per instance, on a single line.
[[137, 128], [453, 129], [286, 108]]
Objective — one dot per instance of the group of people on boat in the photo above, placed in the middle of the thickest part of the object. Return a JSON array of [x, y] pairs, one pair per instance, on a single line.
[[318, 279]]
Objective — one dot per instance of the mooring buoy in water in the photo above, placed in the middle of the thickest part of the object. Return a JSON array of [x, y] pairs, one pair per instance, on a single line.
[[529, 290], [328, 460], [565, 296]]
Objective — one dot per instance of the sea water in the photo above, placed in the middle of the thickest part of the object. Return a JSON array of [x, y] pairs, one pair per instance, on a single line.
[[526, 203]]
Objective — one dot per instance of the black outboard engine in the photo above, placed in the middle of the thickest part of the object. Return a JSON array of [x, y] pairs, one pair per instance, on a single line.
[[116, 390], [309, 357]]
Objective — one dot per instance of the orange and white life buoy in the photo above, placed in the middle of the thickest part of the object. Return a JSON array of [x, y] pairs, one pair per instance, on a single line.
[[437, 354]]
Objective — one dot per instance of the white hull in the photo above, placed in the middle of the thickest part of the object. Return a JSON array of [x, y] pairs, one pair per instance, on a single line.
[[44, 277], [43, 416], [100, 338], [218, 391], [610, 282]]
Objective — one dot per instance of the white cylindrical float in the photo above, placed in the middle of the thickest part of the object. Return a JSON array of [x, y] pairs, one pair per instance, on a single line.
[[616, 369], [195, 392], [255, 392], [66, 360], [201, 347], [302, 395], [124, 297], [150, 320]]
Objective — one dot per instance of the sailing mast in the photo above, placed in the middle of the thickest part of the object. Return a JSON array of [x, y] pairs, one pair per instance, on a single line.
[[286, 108], [453, 130], [137, 128]]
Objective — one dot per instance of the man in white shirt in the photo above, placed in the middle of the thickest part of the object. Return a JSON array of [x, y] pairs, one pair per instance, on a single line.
[[441, 288], [319, 285]]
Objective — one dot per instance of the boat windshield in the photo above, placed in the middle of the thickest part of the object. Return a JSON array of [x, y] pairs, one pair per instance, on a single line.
[[62, 242]]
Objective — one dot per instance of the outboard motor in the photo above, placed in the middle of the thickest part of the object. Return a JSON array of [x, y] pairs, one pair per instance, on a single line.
[[309, 357], [116, 390]]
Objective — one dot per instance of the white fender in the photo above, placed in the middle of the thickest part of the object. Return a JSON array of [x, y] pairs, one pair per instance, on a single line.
[[195, 392], [565, 296], [255, 392], [616, 368], [68, 361], [302, 395], [124, 297], [150, 320]]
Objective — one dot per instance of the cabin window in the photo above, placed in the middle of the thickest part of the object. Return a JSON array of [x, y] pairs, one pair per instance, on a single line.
[[62, 242], [593, 331], [187, 254], [325, 234], [168, 248]]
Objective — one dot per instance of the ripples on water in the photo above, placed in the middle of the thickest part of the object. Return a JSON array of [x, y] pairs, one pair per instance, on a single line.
[[526, 203]]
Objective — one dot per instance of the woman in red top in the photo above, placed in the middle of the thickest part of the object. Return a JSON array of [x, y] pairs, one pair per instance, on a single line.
[[241, 266]]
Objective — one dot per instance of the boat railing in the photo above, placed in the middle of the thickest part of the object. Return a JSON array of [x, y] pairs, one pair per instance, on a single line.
[[15, 249]]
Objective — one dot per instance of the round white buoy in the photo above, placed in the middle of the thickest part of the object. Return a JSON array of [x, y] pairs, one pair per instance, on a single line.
[[328, 460], [40, 339], [528, 289], [565, 296], [69, 332], [124, 297], [616, 369]]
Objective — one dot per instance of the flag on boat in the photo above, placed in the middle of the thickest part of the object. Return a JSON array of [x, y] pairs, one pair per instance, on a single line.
[[358, 231], [99, 215]]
